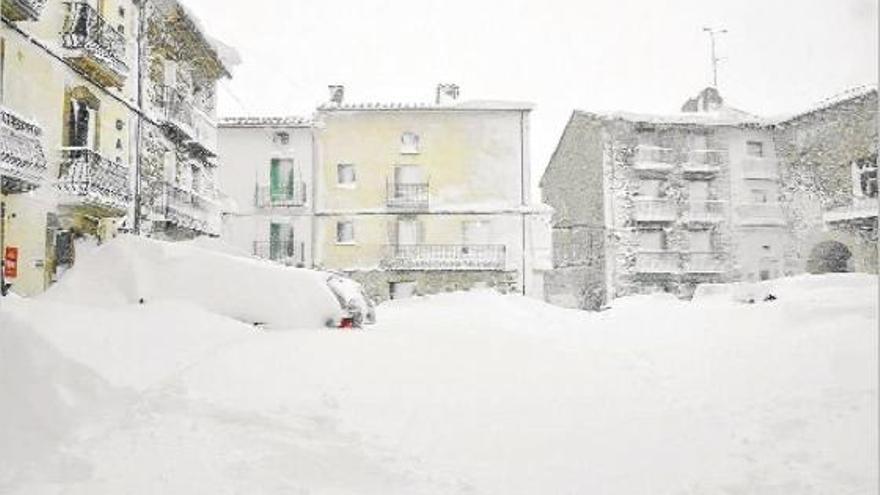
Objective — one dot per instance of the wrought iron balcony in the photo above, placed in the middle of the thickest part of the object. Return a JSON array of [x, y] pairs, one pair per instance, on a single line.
[[708, 211], [95, 46], [287, 196], [177, 112], [185, 208], [759, 168], [654, 158], [96, 180], [861, 208], [22, 160], [407, 195], [287, 251], [22, 10], [659, 262], [703, 262], [769, 214], [445, 257], [704, 162], [654, 210], [204, 134]]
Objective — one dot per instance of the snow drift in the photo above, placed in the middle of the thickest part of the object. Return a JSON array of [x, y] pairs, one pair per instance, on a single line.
[[131, 269]]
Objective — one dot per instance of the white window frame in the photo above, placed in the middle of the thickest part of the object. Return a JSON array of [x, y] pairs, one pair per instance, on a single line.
[[760, 147], [339, 168], [339, 231], [413, 147]]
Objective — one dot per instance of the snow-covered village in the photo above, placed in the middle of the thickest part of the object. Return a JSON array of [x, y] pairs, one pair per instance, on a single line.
[[607, 247]]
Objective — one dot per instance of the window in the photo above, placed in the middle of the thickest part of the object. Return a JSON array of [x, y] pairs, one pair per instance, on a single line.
[[345, 232], [409, 143], [865, 177], [760, 196], [652, 240], [281, 138], [409, 232], [281, 241], [651, 188], [755, 148], [345, 174], [282, 174], [83, 130]]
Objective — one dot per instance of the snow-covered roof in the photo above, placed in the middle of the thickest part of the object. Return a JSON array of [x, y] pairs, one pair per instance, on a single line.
[[724, 116], [831, 101], [462, 105], [287, 121]]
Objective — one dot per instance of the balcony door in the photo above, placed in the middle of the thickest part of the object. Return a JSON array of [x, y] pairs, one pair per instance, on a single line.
[[409, 174], [409, 232], [83, 127], [281, 241], [282, 173]]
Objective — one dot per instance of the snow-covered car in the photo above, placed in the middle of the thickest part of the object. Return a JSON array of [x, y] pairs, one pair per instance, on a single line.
[[135, 270]]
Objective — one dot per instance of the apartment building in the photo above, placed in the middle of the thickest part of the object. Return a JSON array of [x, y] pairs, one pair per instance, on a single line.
[[663, 203], [267, 171], [406, 198], [76, 131]]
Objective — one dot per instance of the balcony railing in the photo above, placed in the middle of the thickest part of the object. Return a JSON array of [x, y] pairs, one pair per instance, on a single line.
[[703, 262], [760, 214], [99, 48], [95, 179], [204, 133], [22, 160], [654, 158], [705, 211], [186, 208], [410, 195], [444, 257], [860, 208], [177, 112], [704, 161], [658, 262], [289, 195], [287, 252], [654, 210], [759, 168], [22, 10]]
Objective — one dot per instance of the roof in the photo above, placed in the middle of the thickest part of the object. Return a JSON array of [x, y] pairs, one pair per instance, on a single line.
[[725, 116], [470, 105], [288, 121], [842, 97], [222, 54]]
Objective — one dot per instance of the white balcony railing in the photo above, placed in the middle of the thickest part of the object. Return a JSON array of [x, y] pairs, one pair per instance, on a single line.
[[658, 262], [760, 214], [21, 153], [445, 257], [708, 211], [22, 10], [703, 262], [654, 158], [859, 208], [186, 208], [407, 195], [204, 137], [654, 210], [759, 168], [94, 179]]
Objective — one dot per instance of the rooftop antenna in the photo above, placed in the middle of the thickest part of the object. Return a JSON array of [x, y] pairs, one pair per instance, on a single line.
[[712, 32]]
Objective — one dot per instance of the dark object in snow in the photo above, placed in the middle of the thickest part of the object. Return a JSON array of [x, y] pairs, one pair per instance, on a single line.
[[770, 297], [141, 300]]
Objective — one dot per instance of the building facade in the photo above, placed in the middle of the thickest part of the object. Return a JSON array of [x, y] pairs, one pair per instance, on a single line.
[[75, 129], [405, 198], [647, 203]]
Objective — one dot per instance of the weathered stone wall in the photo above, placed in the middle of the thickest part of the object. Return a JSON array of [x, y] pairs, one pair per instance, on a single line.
[[816, 151], [376, 282]]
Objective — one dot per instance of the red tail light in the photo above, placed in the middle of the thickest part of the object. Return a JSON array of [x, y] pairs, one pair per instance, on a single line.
[[346, 323]]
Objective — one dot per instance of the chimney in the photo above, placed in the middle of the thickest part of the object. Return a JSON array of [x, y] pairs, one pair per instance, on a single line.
[[446, 93], [337, 93], [709, 100]]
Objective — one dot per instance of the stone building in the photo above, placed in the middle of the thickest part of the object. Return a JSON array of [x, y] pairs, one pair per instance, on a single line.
[[647, 203], [828, 156], [76, 133]]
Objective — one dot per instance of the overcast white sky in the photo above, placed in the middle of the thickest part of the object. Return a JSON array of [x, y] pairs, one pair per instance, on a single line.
[[637, 55]]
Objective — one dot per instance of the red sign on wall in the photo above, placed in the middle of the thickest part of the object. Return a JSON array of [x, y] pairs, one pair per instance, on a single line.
[[10, 265]]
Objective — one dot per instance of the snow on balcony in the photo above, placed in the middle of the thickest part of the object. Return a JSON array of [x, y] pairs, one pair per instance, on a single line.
[[445, 257], [654, 158], [703, 262], [760, 214], [704, 162], [22, 10], [94, 46], [22, 160], [204, 133], [187, 209], [860, 208], [177, 112], [95, 180], [710, 211], [658, 262], [289, 195], [654, 210]]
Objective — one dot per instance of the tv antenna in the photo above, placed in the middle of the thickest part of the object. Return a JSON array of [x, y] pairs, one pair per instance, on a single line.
[[715, 59]]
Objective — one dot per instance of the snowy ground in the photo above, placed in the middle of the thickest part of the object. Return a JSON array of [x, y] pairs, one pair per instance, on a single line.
[[471, 393]]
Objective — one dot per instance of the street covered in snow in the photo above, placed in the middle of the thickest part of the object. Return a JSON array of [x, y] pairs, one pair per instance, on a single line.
[[470, 392]]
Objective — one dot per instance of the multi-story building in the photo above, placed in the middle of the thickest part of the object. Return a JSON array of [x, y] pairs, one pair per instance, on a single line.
[[406, 198], [828, 157], [75, 128], [647, 203], [267, 170]]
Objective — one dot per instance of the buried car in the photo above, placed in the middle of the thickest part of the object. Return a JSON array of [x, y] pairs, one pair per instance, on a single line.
[[136, 270]]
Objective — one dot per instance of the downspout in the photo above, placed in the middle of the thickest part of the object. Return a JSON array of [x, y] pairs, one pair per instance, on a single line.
[[140, 119], [522, 193]]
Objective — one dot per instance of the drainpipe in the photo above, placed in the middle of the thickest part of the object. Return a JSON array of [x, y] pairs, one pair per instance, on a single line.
[[2, 243], [138, 133]]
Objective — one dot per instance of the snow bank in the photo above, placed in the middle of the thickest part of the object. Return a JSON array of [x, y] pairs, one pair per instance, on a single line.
[[129, 269]]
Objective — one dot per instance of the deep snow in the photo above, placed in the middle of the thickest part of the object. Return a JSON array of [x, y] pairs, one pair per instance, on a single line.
[[458, 393]]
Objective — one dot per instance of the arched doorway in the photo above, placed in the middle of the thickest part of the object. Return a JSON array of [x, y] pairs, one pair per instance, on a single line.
[[830, 257]]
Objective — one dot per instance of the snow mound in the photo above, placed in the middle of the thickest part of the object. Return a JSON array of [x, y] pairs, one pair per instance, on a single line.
[[130, 269]]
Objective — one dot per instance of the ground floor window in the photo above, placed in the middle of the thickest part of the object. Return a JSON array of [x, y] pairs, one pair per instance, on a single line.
[[401, 290]]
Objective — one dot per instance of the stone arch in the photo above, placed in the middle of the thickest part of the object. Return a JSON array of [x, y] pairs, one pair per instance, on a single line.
[[830, 257]]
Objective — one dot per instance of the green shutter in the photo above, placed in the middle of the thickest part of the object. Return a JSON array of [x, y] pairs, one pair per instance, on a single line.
[[276, 182]]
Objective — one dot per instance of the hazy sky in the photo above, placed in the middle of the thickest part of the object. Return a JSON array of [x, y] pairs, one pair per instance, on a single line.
[[638, 55]]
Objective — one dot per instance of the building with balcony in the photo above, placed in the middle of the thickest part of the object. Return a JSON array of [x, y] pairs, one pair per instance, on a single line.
[[647, 203], [266, 170], [80, 143]]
